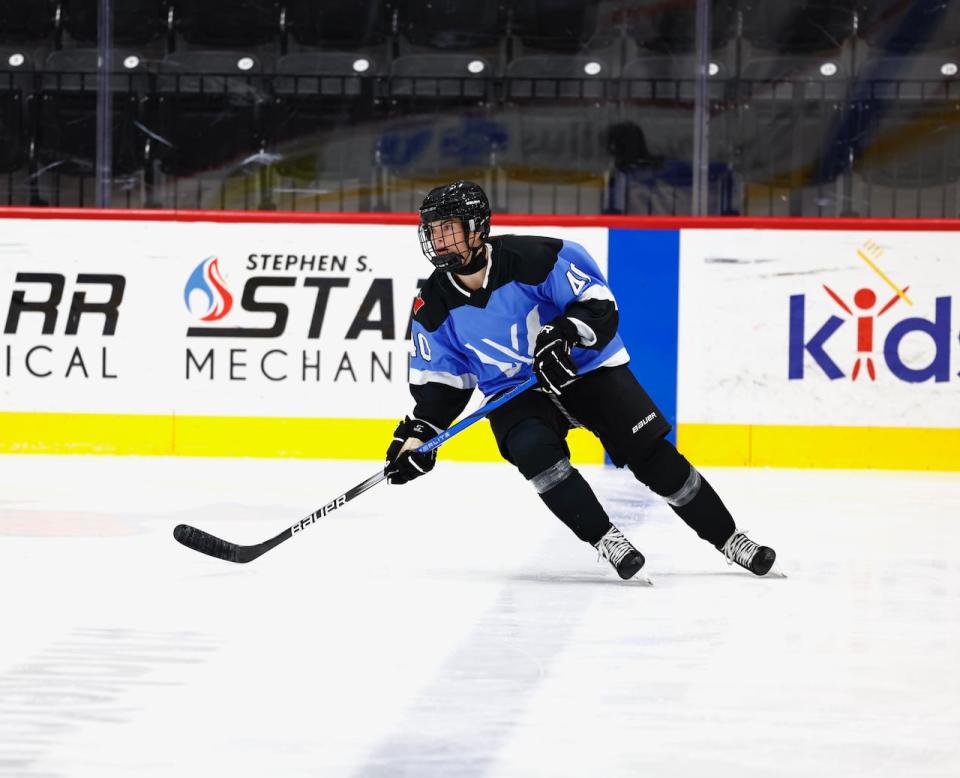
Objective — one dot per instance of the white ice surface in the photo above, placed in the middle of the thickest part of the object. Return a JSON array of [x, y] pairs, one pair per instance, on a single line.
[[454, 628]]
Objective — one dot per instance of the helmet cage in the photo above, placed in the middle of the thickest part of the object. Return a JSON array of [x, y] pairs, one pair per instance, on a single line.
[[454, 255]]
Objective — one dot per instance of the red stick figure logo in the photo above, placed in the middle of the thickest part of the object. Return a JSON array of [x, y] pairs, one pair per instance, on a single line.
[[865, 299]]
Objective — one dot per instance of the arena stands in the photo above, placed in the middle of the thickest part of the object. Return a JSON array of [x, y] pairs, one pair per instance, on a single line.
[[811, 107]]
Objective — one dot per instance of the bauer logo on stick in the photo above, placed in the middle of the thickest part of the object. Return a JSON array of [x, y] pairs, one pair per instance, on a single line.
[[331, 506]]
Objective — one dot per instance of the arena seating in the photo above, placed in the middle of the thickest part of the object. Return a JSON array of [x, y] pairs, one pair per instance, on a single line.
[[134, 21], [431, 81], [910, 27], [556, 25], [794, 123], [553, 77], [555, 110], [26, 20], [317, 97], [434, 121], [67, 112], [337, 24], [451, 25], [909, 133], [228, 22], [802, 94], [798, 26], [670, 28], [657, 94], [207, 110], [315, 93], [670, 78]]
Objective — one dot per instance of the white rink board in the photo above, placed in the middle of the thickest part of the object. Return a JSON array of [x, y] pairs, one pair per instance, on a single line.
[[735, 327], [144, 367]]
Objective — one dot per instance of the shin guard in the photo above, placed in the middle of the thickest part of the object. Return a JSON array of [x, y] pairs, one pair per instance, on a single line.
[[668, 473], [565, 492], [543, 459]]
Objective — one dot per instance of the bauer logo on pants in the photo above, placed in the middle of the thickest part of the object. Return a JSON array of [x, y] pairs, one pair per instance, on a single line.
[[643, 423]]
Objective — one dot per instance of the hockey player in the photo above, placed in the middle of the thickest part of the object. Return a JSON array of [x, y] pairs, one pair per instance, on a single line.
[[496, 308]]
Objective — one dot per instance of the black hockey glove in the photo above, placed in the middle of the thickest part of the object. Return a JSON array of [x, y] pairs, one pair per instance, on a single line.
[[403, 462], [552, 364]]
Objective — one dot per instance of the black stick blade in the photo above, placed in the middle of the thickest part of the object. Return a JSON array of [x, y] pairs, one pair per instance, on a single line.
[[208, 544]]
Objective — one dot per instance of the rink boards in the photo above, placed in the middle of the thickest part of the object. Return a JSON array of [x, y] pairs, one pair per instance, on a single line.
[[770, 343]]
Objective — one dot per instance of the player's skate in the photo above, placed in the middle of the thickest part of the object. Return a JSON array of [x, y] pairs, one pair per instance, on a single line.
[[626, 560], [749, 555]]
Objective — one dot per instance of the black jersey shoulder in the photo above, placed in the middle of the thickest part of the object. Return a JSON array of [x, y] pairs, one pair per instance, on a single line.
[[431, 306], [526, 259]]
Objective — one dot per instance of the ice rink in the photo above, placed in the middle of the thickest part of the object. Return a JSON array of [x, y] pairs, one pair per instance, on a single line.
[[454, 628]]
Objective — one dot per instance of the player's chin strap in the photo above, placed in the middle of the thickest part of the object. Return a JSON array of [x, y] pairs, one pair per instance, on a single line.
[[476, 263], [205, 543]]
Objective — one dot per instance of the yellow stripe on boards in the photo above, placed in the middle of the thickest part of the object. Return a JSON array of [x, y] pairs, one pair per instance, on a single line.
[[85, 433], [704, 444], [883, 448], [127, 434], [230, 436]]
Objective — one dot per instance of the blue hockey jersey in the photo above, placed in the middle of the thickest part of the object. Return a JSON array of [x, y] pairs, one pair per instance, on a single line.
[[464, 339]]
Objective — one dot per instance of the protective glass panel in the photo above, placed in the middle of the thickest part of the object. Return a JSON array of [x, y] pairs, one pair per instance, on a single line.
[[806, 107], [843, 108]]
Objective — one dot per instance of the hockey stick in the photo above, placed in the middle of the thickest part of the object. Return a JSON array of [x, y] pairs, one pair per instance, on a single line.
[[208, 544]]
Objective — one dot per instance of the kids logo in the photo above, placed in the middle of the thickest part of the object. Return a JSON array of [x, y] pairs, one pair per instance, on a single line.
[[206, 294], [868, 315]]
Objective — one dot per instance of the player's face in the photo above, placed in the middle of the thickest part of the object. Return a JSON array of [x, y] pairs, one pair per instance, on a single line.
[[448, 237]]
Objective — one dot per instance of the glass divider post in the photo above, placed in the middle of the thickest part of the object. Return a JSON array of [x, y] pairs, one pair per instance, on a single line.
[[104, 157], [700, 200]]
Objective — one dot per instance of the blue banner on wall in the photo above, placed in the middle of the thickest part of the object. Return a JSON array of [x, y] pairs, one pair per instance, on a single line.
[[644, 274]]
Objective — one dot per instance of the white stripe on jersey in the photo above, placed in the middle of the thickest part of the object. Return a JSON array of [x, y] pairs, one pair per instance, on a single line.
[[507, 368], [505, 350], [597, 292], [620, 357], [587, 336], [420, 377]]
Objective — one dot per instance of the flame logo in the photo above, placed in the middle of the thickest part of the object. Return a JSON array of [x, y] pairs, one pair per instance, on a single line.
[[207, 280]]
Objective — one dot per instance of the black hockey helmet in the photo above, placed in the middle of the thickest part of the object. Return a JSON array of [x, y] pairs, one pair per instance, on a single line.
[[463, 200]]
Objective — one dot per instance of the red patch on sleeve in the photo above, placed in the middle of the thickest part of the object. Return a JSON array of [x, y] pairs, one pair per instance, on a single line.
[[417, 304]]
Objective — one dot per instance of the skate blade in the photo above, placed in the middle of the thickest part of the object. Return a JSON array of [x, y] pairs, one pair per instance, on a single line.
[[775, 572], [642, 578]]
